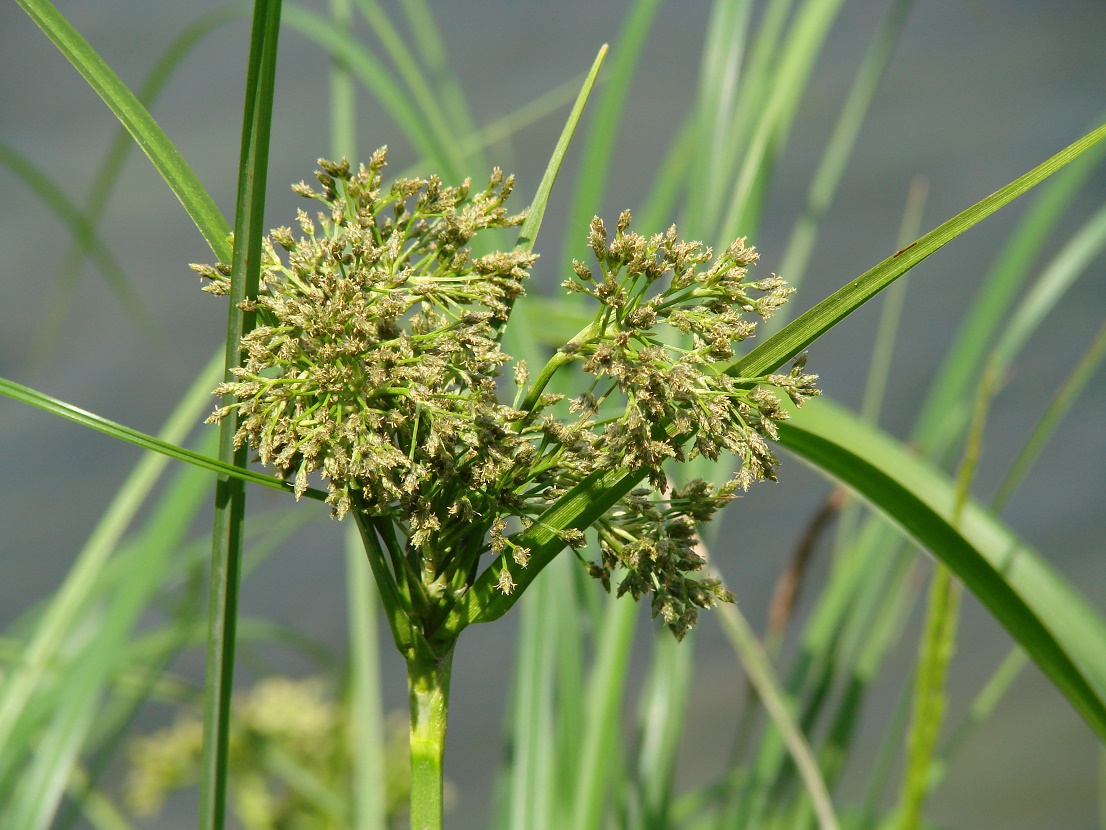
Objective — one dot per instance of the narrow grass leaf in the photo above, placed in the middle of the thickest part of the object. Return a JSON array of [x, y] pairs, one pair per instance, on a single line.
[[804, 330], [366, 708], [43, 780], [368, 69], [956, 378], [527, 114], [139, 672], [981, 708], [528, 233], [883, 348], [601, 727], [839, 148], [55, 627], [531, 783], [710, 125], [580, 611], [164, 448], [85, 234], [138, 121], [663, 708], [108, 172], [671, 182], [1011, 667], [1066, 267], [761, 675], [420, 91], [600, 144], [802, 46], [1063, 401], [945, 417], [433, 52], [343, 93], [1056, 627]]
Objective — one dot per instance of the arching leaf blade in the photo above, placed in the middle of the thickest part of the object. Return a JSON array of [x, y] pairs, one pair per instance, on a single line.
[[1049, 619], [138, 121]]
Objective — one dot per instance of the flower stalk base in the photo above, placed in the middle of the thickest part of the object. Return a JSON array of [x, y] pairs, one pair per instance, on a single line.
[[428, 685]]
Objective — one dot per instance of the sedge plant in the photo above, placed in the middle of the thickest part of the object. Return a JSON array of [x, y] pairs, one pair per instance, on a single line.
[[381, 296], [376, 362]]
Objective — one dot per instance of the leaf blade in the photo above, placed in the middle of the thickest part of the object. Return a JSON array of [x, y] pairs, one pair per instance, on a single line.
[[138, 121], [1050, 620], [808, 327]]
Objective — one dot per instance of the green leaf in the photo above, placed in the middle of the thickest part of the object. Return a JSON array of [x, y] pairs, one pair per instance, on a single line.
[[230, 491], [951, 391], [600, 144], [807, 328], [42, 658], [762, 677], [367, 729], [606, 687], [85, 234], [141, 439], [138, 121], [367, 68], [1050, 620], [528, 233], [108, 171], [824, 184]]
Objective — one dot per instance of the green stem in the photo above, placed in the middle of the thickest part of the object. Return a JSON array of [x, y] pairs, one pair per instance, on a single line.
[[930, 695], [559, 359], [428, 684]]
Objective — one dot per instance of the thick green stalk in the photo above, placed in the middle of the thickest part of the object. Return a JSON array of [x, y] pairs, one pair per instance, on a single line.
[[428, 686]]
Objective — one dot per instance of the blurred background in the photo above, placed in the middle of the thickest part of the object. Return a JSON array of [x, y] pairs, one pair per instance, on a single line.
[[978, 92]]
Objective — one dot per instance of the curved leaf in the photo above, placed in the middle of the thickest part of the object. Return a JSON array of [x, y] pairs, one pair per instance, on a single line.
[[1051, 621], [225, 574], [372, 72], [87, 237], [138, 121], [528, 233], [107, 174], [141, 439]]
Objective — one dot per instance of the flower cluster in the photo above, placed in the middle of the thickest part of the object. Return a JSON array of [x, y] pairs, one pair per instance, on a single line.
[[297, 720], [667, 322], [651, 291], [654, 541], [377, 358]]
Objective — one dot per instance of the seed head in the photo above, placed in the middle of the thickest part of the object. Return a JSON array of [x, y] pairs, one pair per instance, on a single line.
[[376, 364]]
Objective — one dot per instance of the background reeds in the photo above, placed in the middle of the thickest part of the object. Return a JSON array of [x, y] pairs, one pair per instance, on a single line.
[[128, 347]]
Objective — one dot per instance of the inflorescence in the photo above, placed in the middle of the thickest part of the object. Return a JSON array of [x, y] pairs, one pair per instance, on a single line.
[[377, 361]]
